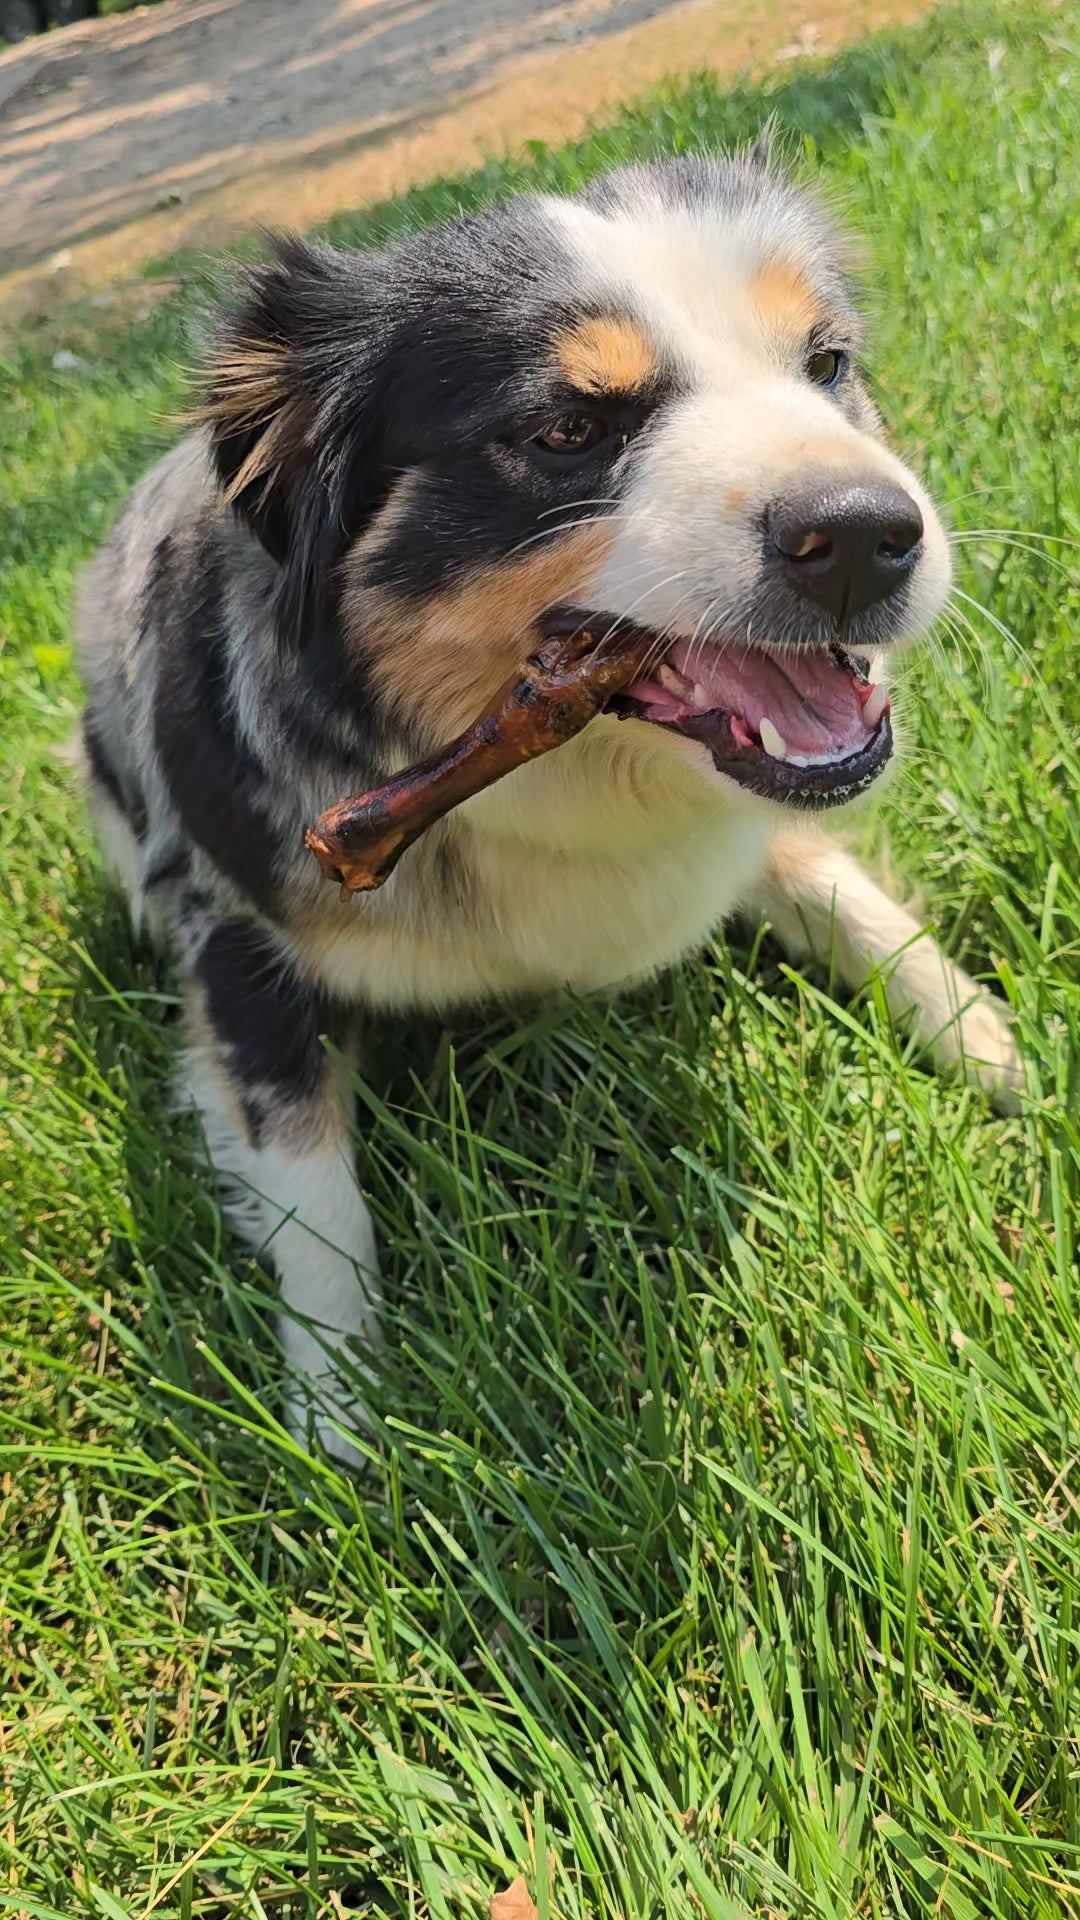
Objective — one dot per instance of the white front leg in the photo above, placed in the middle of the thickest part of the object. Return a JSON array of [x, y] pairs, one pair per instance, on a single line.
[[821, 903]]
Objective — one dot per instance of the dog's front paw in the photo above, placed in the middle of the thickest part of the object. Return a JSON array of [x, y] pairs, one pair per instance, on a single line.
[[322, 1420], [978, 1046], [321, 1428], [324, 1395]]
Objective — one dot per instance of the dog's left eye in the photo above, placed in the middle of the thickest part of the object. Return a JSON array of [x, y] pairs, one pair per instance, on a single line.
[[573, 433], [825, 365]]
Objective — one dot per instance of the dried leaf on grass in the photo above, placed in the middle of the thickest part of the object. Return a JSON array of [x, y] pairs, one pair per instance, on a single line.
[[515, 1904]]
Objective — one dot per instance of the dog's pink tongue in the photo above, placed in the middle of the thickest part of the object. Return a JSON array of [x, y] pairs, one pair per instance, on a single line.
[[812, 701]]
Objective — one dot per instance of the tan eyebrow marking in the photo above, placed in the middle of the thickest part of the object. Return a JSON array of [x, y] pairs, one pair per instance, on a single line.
[[784, 298], [607, 356]]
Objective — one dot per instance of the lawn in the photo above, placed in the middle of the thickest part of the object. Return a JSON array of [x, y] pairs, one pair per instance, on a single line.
[[719, 1548]]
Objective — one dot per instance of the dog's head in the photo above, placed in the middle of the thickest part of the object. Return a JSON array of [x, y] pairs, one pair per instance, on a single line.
[[644, 400]]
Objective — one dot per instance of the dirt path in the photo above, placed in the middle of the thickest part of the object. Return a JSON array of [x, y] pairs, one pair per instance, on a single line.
[[182, 123]]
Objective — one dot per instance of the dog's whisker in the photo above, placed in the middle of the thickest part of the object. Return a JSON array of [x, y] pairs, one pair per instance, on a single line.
[[1021, 654], [1011, 639], [971, 642], [652, 586], [935, 645], [573, 505], [1005, 533], [552, 533], [1014, 544], [665, 636], [981, 493]]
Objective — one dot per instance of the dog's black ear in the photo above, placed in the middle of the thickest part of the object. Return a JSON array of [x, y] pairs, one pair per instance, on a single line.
[[289, 404]]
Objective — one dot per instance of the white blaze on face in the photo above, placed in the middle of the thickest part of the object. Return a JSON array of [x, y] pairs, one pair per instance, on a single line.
[[746, 426], [687, 546]]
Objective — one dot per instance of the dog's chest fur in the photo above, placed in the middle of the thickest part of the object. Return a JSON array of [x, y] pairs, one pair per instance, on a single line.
[[532, 923]]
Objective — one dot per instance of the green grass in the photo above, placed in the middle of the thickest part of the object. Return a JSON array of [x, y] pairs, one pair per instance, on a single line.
[[719, 1549]]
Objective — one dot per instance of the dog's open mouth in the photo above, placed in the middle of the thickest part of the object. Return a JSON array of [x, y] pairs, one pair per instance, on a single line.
[[810, 728]]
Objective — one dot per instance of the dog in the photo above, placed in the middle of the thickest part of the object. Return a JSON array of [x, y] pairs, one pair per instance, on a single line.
[[643, 399]]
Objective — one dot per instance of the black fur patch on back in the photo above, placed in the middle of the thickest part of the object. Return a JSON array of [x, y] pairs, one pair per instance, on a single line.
[[215, 782]]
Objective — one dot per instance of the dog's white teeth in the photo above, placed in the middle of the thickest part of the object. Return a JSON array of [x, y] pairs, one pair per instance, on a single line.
[[773, 741], [876, 705], [875, 672], [673, 682], [701, 699]]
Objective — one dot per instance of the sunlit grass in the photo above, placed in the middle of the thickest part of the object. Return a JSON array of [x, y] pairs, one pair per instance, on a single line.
[[718, 1552]]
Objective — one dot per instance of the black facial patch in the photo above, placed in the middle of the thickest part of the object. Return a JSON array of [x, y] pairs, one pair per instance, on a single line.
[[214, 781], [436, 360], [477, 509], [480, 491], [470, 381]]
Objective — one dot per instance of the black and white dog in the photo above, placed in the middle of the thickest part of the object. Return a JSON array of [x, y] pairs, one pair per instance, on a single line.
[[644, 400]]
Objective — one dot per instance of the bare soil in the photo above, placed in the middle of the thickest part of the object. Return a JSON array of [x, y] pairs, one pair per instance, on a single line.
[[183, 123]]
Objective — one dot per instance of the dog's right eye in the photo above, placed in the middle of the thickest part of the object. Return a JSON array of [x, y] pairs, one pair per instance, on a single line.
[[573, 433], [825, 365]]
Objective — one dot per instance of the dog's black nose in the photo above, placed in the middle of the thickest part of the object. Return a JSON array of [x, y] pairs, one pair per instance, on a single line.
[[845, 547]]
